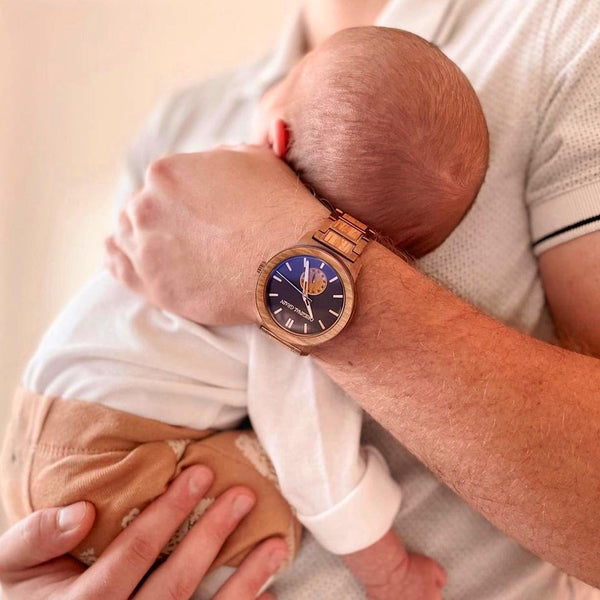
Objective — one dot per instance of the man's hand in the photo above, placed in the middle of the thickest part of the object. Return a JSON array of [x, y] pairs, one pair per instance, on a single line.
[[32, 565], [508, 422], [192, 238]]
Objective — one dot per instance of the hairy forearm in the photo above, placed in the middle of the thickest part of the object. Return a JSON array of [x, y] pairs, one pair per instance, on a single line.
[[509, 422]]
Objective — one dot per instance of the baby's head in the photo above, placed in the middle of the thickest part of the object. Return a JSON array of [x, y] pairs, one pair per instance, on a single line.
[[384, 125]]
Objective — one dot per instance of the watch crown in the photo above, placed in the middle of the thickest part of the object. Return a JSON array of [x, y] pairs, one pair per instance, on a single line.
[[261, 267]]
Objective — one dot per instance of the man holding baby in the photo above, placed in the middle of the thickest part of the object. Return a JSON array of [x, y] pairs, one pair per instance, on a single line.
[[506, 420]]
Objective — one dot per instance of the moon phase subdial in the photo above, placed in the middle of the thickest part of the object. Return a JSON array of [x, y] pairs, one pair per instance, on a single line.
[[317, 281]]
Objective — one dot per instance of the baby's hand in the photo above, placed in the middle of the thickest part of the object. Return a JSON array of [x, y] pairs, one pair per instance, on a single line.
[[388, 572], [419, 578]]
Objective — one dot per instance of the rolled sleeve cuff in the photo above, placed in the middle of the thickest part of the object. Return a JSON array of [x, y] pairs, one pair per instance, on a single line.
[[565, 217], [364, 516]]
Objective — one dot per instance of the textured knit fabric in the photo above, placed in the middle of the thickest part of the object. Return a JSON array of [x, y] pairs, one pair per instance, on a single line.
[[535, 66]]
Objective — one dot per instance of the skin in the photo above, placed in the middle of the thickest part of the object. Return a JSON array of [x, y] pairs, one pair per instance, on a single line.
[[514, 429], [28, 577], [32, 564], [385, 568], [550, 409], [578, 323], [324, 17]]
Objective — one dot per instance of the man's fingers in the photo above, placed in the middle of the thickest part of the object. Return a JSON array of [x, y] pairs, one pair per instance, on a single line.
[[127, 559], [182, 572], [42, 536], [121, 267], [256, 570], [124, 233], [124, 237]]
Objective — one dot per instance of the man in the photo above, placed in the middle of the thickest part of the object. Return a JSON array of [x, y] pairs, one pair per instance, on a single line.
[[509, 422]]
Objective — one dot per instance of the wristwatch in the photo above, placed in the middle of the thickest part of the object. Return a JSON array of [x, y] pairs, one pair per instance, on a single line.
[[306, 294]]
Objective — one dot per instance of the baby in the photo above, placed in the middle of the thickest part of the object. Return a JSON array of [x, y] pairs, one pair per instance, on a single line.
[[121, 396]]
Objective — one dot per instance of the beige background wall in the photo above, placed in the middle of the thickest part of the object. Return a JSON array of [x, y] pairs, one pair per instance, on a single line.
[[77, 79]]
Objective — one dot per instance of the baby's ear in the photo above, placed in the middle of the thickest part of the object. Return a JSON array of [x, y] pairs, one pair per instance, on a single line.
[[279, 138]]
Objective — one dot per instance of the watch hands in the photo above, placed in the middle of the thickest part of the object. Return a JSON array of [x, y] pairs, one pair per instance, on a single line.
[[293, 285], [305, 297], [307, 301], [306, 282]]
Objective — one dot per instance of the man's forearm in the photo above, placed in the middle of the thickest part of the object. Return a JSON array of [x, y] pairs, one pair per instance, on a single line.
[[509, 422]]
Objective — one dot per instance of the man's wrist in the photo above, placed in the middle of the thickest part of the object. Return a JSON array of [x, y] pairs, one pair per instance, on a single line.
[[372, 304], [377, 253], [287, 232]]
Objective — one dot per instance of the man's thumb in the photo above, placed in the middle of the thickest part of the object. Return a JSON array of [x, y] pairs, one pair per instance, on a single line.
[[44, 535]]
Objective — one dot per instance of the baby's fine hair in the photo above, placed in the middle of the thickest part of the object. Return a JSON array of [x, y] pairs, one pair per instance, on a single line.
[[392, 132]]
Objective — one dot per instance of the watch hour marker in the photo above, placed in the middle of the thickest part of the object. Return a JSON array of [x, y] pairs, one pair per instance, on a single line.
[[321, 324], [338, 295], [277, 296], [333, 279], [277, 278], [277, 311], [305, 327], [321, 265], [334, 313], [287, 264], [289, 323]]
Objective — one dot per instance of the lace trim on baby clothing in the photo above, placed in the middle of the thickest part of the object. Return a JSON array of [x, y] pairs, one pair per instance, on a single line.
[[251, 448]]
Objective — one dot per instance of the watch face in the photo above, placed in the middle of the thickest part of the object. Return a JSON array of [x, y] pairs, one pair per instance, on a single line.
[[305, 295]]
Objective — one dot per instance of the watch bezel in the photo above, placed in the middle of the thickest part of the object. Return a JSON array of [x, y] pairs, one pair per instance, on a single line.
[[296, 339]]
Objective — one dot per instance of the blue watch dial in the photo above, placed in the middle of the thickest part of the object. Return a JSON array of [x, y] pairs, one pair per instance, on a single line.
[[304, 295]]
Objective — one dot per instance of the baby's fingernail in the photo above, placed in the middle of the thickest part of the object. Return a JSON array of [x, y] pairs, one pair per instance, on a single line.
[[71, 516], [276, 558], [242, 505]]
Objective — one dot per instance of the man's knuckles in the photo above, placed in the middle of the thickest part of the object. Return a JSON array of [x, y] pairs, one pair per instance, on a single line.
[[39, 533], [181, 588], [169, 170], [144, 210], [141, 550], [160, 171]]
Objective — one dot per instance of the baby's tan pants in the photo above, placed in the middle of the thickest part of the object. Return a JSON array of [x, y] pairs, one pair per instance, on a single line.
[[60, 451]]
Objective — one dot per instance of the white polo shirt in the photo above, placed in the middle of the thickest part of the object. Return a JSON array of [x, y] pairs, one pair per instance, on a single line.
[[536, 68]]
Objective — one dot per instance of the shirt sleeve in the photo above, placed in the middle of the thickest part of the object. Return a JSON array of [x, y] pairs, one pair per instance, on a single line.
[[563, 185], [310, 428]]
